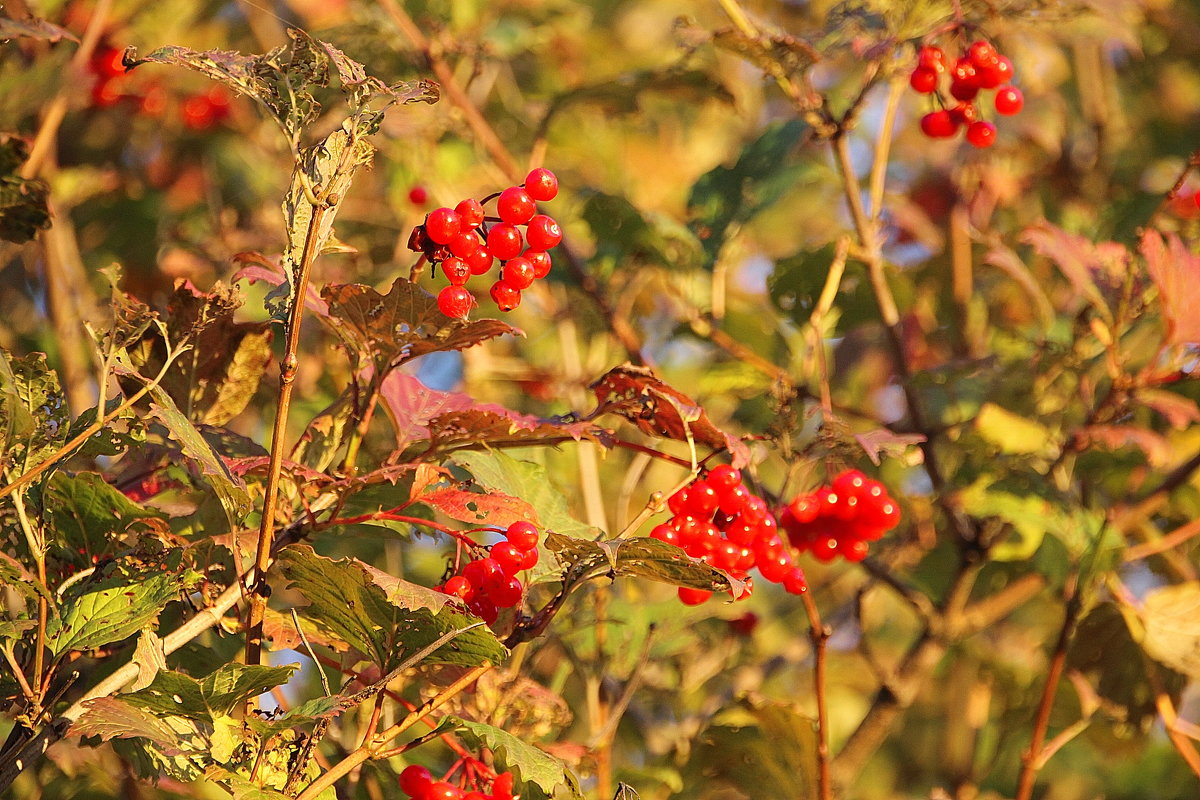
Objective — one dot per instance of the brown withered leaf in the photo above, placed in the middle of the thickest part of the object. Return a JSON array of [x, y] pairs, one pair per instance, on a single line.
[[390, 329], [658, 409], [502, 428]]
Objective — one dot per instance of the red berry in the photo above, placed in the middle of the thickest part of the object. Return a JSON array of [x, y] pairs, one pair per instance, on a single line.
[[504, 241], [543, 233], [518, 273], [107, 62], [530, 558], [485, 609], [506, 593], [794, 582], [701, 500], [464, 243], [745, 624], [418, 196], [923, 80], [515, 206], [964, 90], [938, 125], [540, 261], [774, 569], [482, 571], [503, 785], [455, 301], [456, 271], [442, 225], [665, 533], [1009, 100], [964, 71], [508, 556], [440, 790], [541, 184], [723, 477], [522, 534], [931, 58], [415, 780], [994, 75], [693, 597], [964, 114], [471, 213], [983, 54], [504, 296], [981, 133], [479, 261], [460, 587]]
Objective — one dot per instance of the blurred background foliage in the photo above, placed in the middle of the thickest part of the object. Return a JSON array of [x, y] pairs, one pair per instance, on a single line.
[[695, 200]]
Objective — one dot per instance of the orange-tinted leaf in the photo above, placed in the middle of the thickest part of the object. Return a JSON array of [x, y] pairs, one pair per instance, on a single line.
[[1179, 411], [493, 508], [1176, 273], [502, 427], [1114, 437], [639, 396]]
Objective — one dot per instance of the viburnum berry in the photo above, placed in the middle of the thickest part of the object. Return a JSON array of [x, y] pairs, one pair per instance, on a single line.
[[456, 271], [541, 184], [964, 114], [470, 211], [964, 90], [923, 80], [479, 261], [441, 790], [693, 597], [518, 273], [1009, 100], [938, 125], [504, 241], [415, 780], [505, 296], [460, 587], [442, 225], [108, 62], [508, 556], [482, 570], [841, 519], [455, 301], [543, 233], [463, 243], [418, 195], [981, 133], [540, 260], [515, 206], [931, 58], [522, 534], [983, 54]]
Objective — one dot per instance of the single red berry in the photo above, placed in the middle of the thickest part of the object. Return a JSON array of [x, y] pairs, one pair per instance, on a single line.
[[415, 780], [938, 125], [485, 609], [931, 58], [456, 271], [504, 296], [530, 559], [442, 225], [460, 587], [1009, 100], [455, 301], [464, 243], [543, 233], [723, 477], [518, 273], [479, 261], [504, 241], [418, 195], [794, 582], [481, 571], [774, 569], [853, 550], [503, 785], [541, 184], [964, 71], [522, 534], [963, 90], [923, 80], [515, 206], [471, 213], [508, 556], [693, 597], [983, 54], [665, 533], [541, 262], [964, 114], [701, 500], [107, 62], [992, 76], [506, 593], [440, 790], [981, 133]]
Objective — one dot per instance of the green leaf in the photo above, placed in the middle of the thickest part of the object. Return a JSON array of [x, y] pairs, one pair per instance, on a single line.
[[541, 773], [327, 431], [1171, 620], [728, 196], [758, 743], [88, 517], [230, 490], [501, 472], [33, 412], [640, 557], [114, 718], [383, 617], [1013, 433], [119, 599], [123, 432], [215, 695], [624, 233]]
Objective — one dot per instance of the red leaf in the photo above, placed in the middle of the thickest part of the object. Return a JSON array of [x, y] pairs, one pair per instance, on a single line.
[[412, 405], [639, 396], [1176, 273], [493, 508]]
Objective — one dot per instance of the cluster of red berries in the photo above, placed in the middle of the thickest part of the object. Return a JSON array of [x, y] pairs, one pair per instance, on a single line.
[[418, 783], [465, 241], [981, 67], [719, 521], [114, 85], [489, 584], [840, 520]]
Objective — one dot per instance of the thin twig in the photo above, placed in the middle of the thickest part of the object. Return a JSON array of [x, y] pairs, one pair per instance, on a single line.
[[820, 634], [309, 648]]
